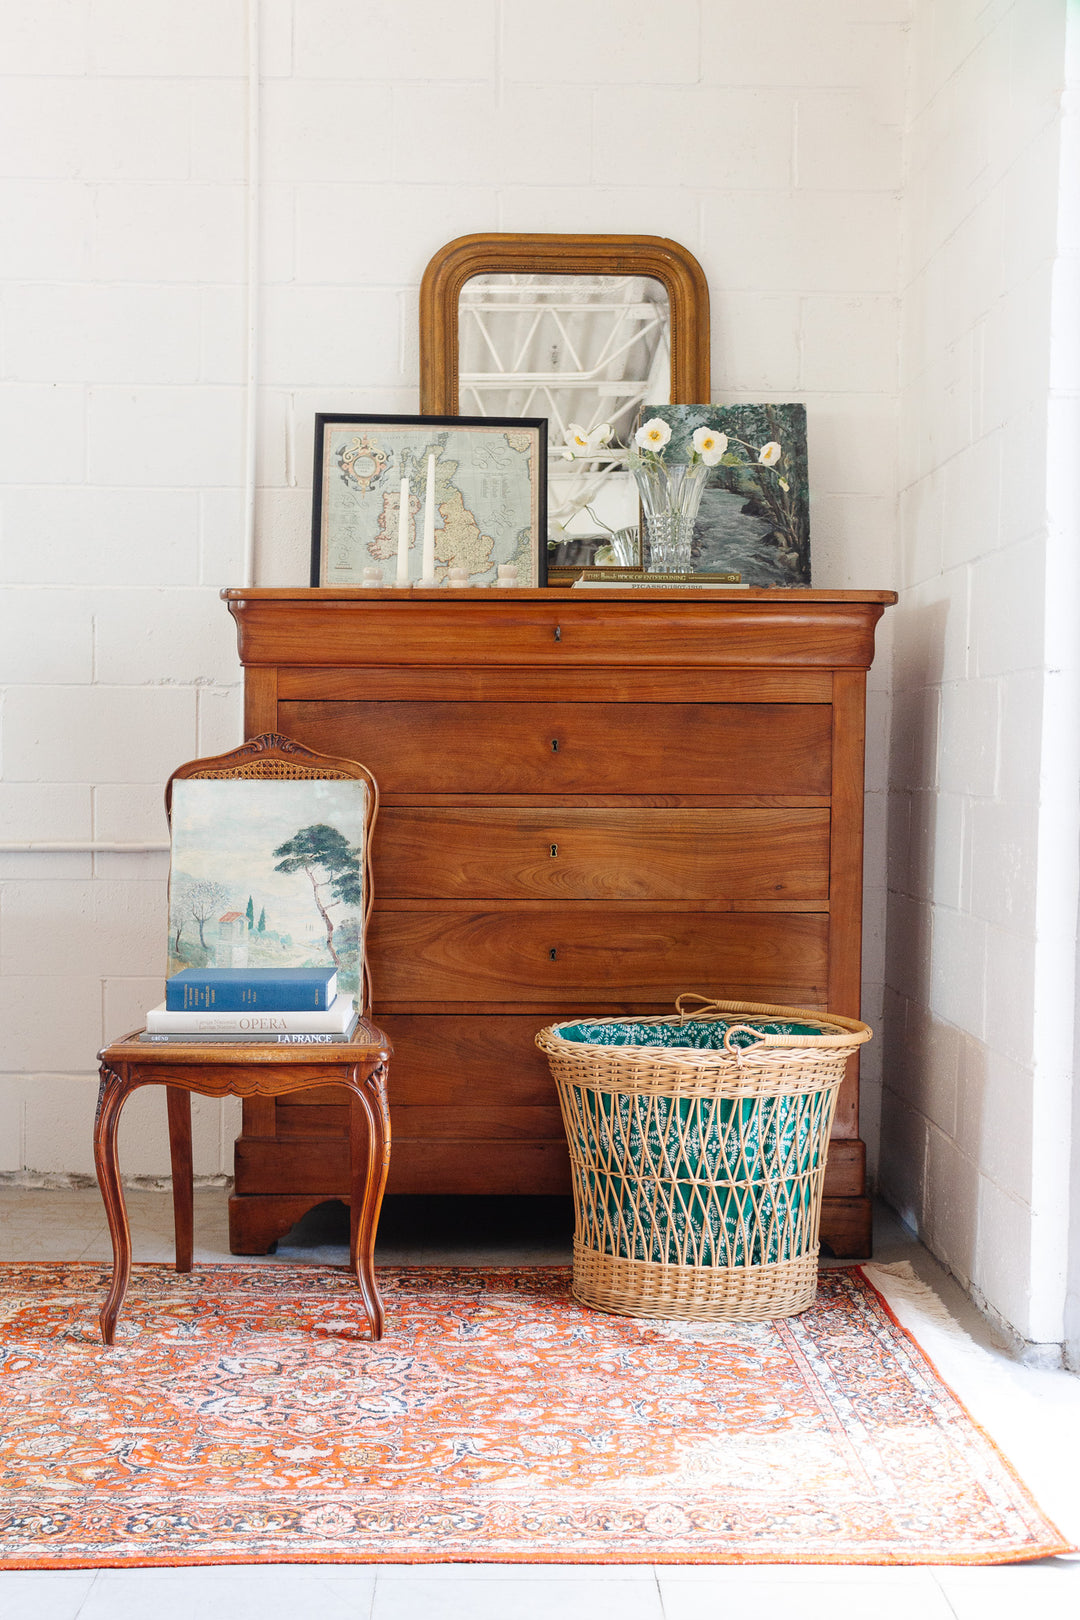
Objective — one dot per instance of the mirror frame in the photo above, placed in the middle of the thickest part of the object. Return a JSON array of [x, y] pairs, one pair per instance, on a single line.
[[548, 254]]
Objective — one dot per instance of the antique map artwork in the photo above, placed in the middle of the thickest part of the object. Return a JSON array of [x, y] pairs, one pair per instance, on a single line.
[[486, 498]]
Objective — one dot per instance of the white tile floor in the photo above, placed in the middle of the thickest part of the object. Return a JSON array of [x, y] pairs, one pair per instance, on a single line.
[[1034, 1414]]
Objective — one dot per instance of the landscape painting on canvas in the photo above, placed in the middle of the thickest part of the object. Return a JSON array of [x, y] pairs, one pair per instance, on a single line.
[[268, 874]]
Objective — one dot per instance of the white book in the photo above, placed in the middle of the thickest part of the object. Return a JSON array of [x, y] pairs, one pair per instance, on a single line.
[[334, 1021], [264, 1038]]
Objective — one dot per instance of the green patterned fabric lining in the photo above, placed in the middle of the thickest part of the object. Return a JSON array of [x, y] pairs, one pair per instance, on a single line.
[[703, 1035], [701, 1181]]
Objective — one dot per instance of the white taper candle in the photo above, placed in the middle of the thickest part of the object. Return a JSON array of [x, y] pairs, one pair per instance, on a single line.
[[427, 571], [403, 535]]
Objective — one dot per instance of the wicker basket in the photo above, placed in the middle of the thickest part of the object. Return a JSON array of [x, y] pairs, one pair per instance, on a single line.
[[698, 1146]]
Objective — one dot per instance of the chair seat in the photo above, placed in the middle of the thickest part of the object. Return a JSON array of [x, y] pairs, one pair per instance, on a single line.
[[245, 1069]]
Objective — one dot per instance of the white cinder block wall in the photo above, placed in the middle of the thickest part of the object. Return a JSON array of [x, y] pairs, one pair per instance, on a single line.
[[983, 835], [1064, 514], [773, 153], [777, 155]]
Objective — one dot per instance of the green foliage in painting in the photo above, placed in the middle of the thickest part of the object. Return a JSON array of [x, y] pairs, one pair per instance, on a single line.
[[332, 867], [754, 517]]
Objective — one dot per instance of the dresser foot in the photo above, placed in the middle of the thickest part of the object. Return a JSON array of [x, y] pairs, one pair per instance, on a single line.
[[847, 1227], [256, 1222]]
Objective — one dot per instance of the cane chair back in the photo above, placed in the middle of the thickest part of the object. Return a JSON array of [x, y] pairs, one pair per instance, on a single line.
[[271, 757]]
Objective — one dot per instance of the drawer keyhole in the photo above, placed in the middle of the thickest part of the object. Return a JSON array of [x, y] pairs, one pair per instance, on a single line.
[[554, 745], [553, 953], [558, 632], [554, 850]]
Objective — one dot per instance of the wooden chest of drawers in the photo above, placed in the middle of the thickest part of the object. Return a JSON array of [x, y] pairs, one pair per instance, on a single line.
[[590, 802]]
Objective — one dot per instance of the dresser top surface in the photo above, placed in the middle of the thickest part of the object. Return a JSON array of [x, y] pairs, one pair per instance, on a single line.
[[791, 597]]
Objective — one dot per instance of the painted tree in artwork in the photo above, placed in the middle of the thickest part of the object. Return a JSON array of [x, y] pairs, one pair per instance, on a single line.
[[204, 898], [250, 914], [332, 867], [261, 927]]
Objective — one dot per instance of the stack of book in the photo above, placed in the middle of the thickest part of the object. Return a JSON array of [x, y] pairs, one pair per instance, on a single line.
[[281, 1006]]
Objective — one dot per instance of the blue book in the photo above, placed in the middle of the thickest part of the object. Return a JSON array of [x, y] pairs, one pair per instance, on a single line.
[[244, 989]]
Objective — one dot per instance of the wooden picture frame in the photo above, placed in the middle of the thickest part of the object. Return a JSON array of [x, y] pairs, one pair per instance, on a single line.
[[545, 253]]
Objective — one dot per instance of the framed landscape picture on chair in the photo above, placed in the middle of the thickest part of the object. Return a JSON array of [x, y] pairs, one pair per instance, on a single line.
[[271, 872]]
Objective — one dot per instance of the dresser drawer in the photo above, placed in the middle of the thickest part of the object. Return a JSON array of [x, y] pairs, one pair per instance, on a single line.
[[742, 748], [453, 1061], [752, 854], [583, 953], [432, 1123], [552, 628], [507, 1160], [458, 1061]]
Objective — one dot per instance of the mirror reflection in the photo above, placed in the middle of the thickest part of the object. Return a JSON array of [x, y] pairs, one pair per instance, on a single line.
[[586, 351]]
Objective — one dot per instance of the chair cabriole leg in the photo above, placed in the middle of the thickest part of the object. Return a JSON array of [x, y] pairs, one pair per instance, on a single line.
[[369, 1156], [112, 1094]]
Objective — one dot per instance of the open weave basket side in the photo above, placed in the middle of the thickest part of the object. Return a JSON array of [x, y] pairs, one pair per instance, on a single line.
[[698, 1174]]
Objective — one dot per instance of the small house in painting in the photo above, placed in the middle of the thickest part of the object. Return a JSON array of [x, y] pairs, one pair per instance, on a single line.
[[232, 940]]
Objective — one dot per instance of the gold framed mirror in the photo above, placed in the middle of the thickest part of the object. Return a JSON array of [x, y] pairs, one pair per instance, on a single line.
[[582, 330]]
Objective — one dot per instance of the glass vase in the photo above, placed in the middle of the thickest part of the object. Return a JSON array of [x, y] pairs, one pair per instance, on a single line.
[[670, 497]]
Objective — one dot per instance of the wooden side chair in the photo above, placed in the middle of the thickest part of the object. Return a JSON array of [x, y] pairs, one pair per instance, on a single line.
[[256, 1071]]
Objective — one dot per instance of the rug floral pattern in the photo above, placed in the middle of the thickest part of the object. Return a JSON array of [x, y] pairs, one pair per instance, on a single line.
[[244, 1416]]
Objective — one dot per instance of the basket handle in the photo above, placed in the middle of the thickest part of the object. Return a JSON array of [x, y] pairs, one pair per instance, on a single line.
[[857, 1032]]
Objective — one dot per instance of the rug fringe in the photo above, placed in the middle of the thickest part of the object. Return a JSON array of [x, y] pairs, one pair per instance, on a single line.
[[900, 1280], [898, 1284]]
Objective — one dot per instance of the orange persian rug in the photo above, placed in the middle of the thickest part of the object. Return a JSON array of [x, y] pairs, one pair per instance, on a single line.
[[244, 1416]]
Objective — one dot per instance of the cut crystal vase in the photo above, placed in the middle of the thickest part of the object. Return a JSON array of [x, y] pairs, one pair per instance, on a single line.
[[670, 497]]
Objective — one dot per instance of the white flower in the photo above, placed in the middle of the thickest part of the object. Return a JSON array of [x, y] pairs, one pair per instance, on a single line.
[[710, 446], [653, 435], [770, 454], [582, 443]]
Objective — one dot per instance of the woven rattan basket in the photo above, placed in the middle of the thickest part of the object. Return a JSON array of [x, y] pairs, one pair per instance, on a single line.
[[698, 1145]]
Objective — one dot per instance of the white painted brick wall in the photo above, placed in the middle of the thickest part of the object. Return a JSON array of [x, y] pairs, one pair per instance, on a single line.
[[980, 243], [776, 159]]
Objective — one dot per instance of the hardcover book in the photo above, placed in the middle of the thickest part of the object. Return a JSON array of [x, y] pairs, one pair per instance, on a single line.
[[306, 989], [161, 1021], [282, 1038], [642, 576]]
